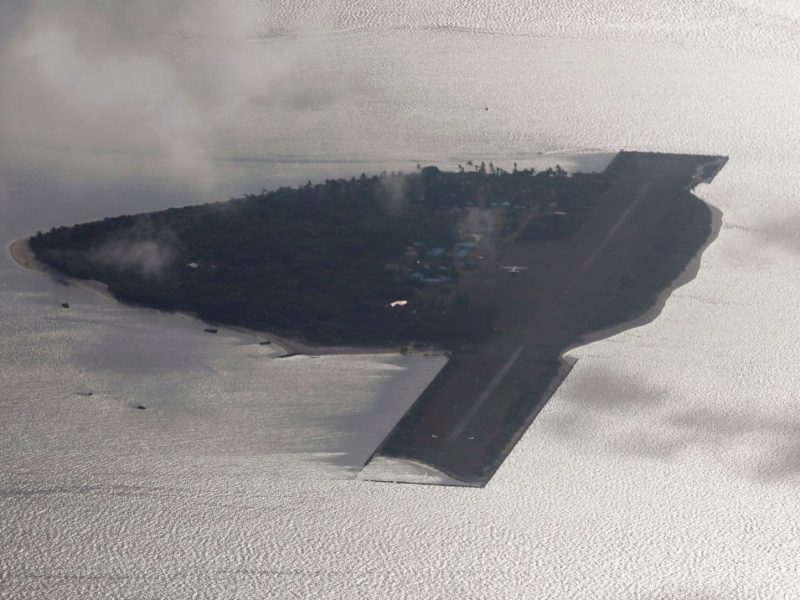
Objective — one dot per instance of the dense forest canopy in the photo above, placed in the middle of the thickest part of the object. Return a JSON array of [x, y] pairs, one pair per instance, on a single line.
[[327, 261]]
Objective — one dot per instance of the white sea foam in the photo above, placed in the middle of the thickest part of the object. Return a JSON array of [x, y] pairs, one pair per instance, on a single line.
[[398, 470]]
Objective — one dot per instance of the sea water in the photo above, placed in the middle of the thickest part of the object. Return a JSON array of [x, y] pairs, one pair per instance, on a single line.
[[666, 466]]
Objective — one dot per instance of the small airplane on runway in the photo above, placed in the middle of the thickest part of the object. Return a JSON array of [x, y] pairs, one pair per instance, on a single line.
[[514, 269]]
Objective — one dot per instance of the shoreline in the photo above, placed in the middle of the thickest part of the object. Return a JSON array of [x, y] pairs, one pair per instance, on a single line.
[[687, 275], [567, 362], [412, 441], [21, 254], [421, 473]]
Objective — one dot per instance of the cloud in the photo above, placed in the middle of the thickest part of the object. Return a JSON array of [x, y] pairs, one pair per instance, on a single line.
[[111, 81], [150, 257], [143, 248], [634, 417], [393, 190], [782, 231]]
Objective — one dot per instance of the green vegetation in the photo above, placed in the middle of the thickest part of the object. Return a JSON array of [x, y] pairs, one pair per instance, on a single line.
[[631, 234], [393, 259], [681, 231], [323, 262], [567, 210]]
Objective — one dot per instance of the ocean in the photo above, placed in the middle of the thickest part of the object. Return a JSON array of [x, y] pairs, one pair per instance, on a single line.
[[666, 466]]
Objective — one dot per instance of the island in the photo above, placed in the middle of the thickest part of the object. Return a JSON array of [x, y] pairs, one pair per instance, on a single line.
[[504, 270]]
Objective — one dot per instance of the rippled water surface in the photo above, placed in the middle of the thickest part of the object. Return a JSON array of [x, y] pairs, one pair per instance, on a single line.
[[666, 466]]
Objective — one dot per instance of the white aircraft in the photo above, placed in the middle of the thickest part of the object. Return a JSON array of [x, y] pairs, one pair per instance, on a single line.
[[514, 269]]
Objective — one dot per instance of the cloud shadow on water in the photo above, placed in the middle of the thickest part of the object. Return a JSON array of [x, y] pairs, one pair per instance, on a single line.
[[629, 416]]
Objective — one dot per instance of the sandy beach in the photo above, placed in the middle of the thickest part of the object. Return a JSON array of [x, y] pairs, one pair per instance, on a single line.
[[404, 470], [22, 254], [568, 362], [20, 251], [688, 274], [472, 414]]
